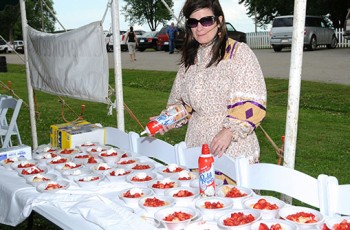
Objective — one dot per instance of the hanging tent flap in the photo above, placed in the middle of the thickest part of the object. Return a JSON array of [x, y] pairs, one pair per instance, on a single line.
[[72, 64]]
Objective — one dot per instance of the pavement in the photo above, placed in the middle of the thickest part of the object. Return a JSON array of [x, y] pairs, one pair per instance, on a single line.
[[321, 65]]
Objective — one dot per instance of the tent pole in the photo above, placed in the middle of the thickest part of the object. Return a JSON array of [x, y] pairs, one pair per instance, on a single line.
[[172, 12], [117, 65], [294, 83], [29, 85]]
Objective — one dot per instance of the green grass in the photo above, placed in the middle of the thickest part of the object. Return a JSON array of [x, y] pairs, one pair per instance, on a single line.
[[323, 144]]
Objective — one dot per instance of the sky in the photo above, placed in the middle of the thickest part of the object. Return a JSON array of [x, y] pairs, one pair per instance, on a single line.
[[76, 13]]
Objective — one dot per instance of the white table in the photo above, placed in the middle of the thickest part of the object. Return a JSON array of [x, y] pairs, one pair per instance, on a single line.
[[18, 199]]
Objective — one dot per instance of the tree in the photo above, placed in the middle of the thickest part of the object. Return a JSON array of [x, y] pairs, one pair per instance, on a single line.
[[10, 17], [267, 10], [151, 11]]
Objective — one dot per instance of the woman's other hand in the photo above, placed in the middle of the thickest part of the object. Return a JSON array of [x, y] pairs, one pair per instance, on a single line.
[[221, 142]]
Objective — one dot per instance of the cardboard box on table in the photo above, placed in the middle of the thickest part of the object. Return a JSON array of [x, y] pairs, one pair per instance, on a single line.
[[69, 137], [22, 151], [66, 126]]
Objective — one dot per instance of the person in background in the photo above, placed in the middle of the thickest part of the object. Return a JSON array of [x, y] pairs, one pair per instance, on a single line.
[[221, 81], [131, 40], [171, 32]]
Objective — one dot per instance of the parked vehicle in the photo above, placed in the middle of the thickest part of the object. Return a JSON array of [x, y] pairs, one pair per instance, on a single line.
[[123, 45], [235, 34], [147, 40], [318, 31], [346, 33], [9, 47], [163, 40]]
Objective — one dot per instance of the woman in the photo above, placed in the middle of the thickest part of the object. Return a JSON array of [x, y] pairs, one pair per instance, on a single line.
[[221, 80], [131, 40]]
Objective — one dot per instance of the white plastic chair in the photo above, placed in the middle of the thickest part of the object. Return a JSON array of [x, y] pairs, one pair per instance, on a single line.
[[6, 131], [3, 120], [118, 138], [189, 157], [271, 177], [153, 147], [338, 198]]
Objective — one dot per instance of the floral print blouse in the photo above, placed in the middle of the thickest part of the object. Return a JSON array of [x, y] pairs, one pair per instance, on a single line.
[[229, 95]]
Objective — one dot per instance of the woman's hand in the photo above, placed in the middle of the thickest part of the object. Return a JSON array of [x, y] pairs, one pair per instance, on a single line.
[[221, 142], [163, 130]]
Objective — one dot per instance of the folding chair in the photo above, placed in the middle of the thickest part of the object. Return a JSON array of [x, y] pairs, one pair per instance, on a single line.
[[153, 147], [338, 198], [6, 131], [271, 177], [3, 120], [189, 157], [118, 138]]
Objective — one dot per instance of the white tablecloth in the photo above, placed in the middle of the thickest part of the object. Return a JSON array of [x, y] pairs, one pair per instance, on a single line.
[[99, 205]]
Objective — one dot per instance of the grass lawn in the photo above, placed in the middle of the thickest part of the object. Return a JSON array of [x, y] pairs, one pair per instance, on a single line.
[[323, 144]]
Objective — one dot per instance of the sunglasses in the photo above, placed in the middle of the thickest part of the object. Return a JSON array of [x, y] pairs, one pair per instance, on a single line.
[[205, 21]]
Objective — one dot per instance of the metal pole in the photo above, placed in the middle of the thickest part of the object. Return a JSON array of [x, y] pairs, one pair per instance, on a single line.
[[42, 16], [29, 85], [117, 65], [166, 5], [294, 83]]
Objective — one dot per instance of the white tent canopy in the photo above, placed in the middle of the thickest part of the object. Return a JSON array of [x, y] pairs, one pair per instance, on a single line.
[[50, 66]]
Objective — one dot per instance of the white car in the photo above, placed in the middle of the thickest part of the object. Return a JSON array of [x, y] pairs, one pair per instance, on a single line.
[[9, 47], [318, 31], [123, 45]]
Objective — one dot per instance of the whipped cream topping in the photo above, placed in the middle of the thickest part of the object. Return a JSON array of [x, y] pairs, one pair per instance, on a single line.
[[56, 158], [47, 156], [32, 169], [119, 171], [103, 165], [23, 163], [88, 143], [88, 178], [141, 175], [172, 167], [110, 151], [133, 191], [71, 164], [98, 149], [184, 173], [165, 180]]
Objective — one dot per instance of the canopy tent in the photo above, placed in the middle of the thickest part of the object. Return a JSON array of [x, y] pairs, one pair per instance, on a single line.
[[40, 62], [294, 77]]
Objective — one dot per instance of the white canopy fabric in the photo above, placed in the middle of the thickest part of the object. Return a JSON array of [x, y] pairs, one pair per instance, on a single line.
[[73, 63]]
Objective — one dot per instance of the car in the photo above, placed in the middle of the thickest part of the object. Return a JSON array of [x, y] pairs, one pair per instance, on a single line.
[[123, 45], [109, 40], [235, 34], [17, 45], [147, 40], [346, 33], [231, 33], [163, 40], [318, 31]]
